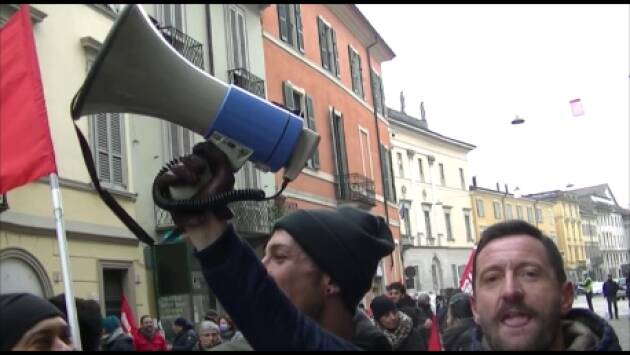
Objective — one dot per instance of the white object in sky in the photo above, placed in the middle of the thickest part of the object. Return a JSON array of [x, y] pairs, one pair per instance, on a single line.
[[576, 107]]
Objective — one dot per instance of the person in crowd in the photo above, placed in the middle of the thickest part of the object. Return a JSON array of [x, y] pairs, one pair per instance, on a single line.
[[226, 327], [398, 293], [209, 336], [397, 326], [185, 336], [366, 335], [609, 289], [459, 324], [521, 297], [587, 286], [31, 323], [628, 288], [89, 318], [148, 338], [114, 337], [212, 316], [318, 264]]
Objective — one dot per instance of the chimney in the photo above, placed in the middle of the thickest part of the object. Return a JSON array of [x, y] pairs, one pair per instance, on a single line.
[[402, 102], [498, 187], [474, 181], [506, 189]]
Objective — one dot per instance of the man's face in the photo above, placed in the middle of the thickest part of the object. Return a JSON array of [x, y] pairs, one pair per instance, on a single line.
[[52, 334], [177, 329], [395, 295], [518, 301], [209, 338], [147, 323], [390, 320], [295, 273]]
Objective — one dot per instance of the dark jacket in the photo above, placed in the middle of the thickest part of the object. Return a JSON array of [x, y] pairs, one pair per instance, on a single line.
[[367, 336], [415, 341], [408, 306], [459, 336], [120, 342], [582, 330], [610, 289], [237, 343], [264, 314], [185, 340]]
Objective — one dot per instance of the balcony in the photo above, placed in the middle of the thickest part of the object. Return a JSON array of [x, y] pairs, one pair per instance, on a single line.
[[184, 44], [248, 81], [356, 189], [4, 203], [406, 240]]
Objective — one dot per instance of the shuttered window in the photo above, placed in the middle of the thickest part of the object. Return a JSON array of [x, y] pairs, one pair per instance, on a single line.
[[377, 92], [294, 100], [355, 71], [290, 25], [180, 139], [237, 37], [328, 47], [386, 159]]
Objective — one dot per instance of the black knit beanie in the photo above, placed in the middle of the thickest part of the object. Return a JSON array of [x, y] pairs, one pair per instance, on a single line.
[[19, 312], [380, 306], [346, 243]]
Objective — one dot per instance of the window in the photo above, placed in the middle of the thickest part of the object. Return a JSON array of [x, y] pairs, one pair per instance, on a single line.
[[378, 94], [497, 209], [406, 219], [399, 160], [300, 102], [530, 215], [180, 139], [455, 276], [519, 212], [469, 236], [328, 47], [172, 15], [356, 71], [442, 177], [539, 217], [113, 284], [421, 170], [237, 37], [427, 223], [386, 160], [508, 211], [290, 25], [447, 221], [366, 157], [480, 211], [462, 179]]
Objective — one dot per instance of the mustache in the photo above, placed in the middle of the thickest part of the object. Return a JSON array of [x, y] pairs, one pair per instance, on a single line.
[[515, 307]]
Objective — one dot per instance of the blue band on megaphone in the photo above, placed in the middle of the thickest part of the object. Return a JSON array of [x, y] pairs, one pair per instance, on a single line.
[[270, 131]]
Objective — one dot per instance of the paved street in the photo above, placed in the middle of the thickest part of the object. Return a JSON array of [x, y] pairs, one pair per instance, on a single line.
[[621, 326]]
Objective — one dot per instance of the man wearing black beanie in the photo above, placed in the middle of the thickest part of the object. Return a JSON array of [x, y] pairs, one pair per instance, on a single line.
[[28, 322], [318, 264]]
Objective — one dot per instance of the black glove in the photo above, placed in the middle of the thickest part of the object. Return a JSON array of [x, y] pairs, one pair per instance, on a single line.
[[205, 156]]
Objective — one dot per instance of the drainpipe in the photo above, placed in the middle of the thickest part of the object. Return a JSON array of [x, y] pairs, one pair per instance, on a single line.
[[209, 33]]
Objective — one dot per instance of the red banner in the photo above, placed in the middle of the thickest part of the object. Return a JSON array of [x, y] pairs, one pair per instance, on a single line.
[[465, 281], [26, 150], [434, 337], [127, 318]]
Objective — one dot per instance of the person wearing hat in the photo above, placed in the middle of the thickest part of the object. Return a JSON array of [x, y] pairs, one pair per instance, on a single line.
[[459, 324], [397, 325], [114, 338], [208, 336], [318, 264], [185, 336], [31, 323], [89, 318]]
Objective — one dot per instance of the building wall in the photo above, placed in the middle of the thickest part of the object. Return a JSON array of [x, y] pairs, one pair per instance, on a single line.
[[612, 235], [304, 71]]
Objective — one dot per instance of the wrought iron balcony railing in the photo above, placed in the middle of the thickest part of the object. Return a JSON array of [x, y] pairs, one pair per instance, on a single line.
[[356, 188], [242, 78], [184, 44]]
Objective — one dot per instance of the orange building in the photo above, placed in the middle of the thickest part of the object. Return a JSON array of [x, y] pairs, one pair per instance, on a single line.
[[316, 61]]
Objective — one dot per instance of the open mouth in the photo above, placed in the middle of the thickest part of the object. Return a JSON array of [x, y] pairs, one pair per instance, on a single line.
[[515, 319]]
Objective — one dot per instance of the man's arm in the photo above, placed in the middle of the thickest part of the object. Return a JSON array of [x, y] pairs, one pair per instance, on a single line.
[[265, 316]]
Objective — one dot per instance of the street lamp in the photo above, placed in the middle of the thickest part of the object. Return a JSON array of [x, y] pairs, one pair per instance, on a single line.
[[518, 120]]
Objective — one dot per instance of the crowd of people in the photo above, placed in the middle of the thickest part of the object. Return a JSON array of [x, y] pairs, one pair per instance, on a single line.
[[305, 293]]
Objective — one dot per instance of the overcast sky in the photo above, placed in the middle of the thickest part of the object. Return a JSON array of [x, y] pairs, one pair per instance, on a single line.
[[478, 66]]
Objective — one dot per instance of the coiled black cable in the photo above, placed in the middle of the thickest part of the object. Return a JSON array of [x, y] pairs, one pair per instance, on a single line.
[[208, 202]]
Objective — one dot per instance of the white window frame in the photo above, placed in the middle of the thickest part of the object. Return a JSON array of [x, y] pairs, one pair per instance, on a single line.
[[228, 33], [369, 151]]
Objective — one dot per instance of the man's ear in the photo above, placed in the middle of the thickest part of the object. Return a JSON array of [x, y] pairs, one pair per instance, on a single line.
[[566, 297], [331, 288], [473, 308]]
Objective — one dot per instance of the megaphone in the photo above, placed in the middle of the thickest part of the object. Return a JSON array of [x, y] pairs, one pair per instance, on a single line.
[[138, 71]]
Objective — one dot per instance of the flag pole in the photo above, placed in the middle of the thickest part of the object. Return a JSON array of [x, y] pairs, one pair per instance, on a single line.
[[65, 261]]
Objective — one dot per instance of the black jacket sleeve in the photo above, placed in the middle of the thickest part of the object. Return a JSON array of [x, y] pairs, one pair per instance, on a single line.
[[185, 342], [265, 316]]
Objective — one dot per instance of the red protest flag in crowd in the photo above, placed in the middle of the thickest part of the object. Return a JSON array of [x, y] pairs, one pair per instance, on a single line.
[[127, 318], [465, 281], [434, 336], [26, 150]]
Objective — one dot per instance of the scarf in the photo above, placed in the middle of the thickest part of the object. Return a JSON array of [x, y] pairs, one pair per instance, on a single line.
[[399, 335], [115, 334]]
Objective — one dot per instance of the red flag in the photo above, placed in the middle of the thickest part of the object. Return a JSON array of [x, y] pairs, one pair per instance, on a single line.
[[434, 337], [127, 319], [465, 281], [26, 150]]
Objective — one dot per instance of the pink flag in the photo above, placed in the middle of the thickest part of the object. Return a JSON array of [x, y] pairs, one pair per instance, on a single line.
[[576, 107]]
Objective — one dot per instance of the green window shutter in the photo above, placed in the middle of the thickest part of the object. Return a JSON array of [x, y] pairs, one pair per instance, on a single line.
[[101, 140], [353, 71], [323, 44], [283, 12], [310, 120], [298, 28], [288, 95], [360, 75], [392, 190], [335, 54], [116, 152]]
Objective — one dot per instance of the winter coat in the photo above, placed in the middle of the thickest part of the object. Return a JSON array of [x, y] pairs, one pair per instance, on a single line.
[[155, 343], [367, 336], [408, 306], [459, 336], [415, 341], [185, 340], [264, 314], [582, 330], [237, 343], [610, 289], [118, 341]]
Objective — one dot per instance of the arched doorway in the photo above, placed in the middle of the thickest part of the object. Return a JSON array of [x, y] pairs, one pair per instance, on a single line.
[[20, 271], [436, 273]]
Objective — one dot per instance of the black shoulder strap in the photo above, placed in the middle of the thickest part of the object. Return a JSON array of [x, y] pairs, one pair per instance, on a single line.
[[124, 217]]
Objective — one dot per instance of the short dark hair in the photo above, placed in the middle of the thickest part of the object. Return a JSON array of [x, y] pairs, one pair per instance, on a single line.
[[89, 318], [514, 227], [397, 285], [143, 317]]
